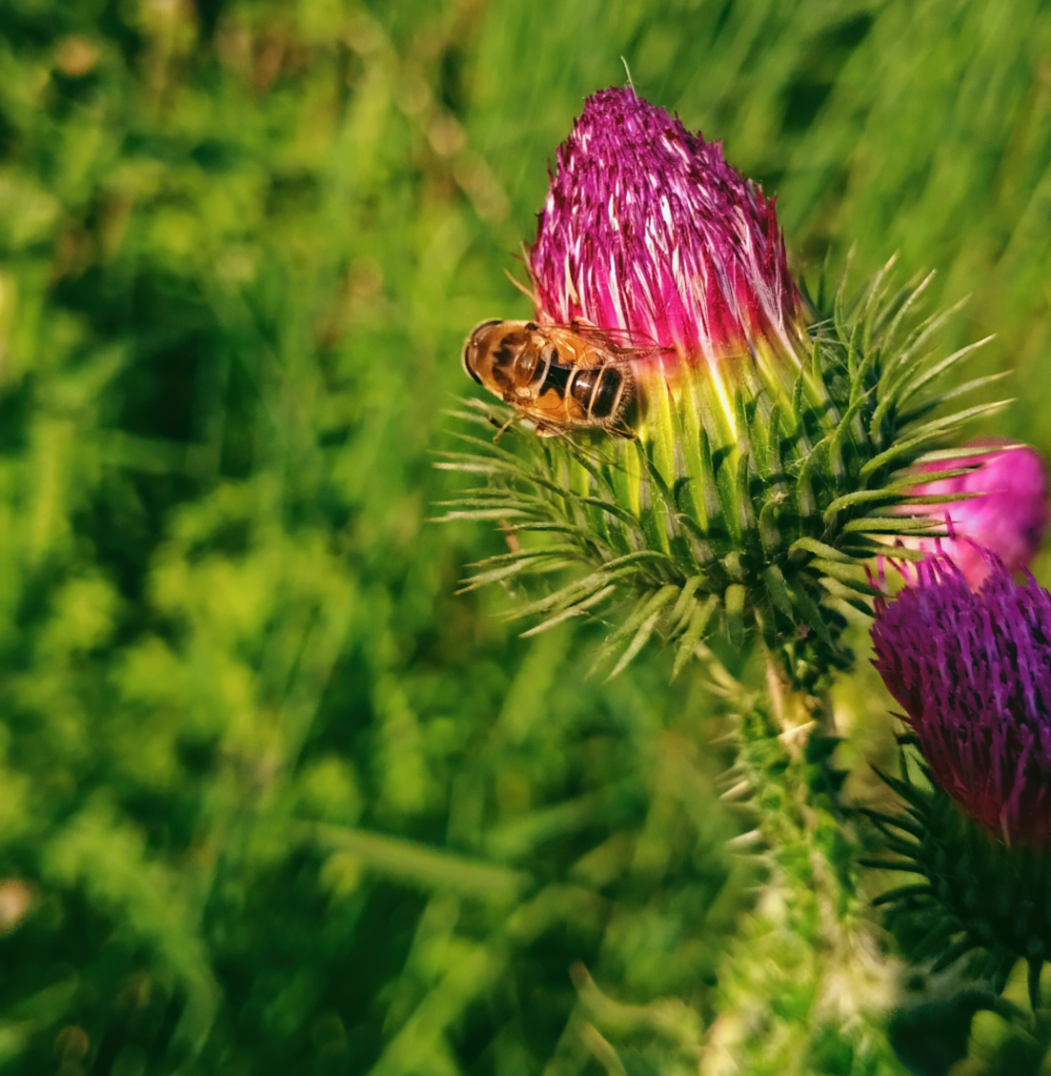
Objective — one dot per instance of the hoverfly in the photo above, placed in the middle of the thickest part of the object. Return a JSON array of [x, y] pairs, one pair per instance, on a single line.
[[560, 377]]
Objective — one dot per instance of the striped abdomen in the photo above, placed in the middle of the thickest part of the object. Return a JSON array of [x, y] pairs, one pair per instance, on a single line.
[[601, 391]]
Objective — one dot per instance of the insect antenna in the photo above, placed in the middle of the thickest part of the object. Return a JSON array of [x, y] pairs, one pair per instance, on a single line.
[[627, 71]]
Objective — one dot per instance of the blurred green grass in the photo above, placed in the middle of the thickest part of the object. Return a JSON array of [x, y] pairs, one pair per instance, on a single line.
[[275, 799]]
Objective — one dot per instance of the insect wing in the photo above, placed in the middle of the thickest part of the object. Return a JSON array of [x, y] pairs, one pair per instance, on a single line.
[[620, 343]]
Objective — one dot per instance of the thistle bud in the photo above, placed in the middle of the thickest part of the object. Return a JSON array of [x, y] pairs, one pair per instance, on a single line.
[[1007, 520], [972, 671], [711, 453], [646, 228], [647, 231]]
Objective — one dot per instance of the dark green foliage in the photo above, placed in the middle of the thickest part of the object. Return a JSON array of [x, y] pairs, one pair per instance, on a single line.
[[933, 1036], [978, 898]]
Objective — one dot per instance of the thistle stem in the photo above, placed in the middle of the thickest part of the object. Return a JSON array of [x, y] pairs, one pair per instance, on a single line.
[[805, 966]]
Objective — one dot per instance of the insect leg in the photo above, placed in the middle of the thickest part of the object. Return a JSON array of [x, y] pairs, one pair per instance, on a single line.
[[507, 425]]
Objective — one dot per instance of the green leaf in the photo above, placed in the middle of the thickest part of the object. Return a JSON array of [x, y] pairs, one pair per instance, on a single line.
[[819, 549], [810, 613], [495, 576], [638, 627], [853, 595], [577, 609], [904, 526], [573, 592], [913, 296], [930, 431], [844, 575], [612, 509], [482, 514], [699, 619], [778, 589], [937, 369], [685, 602], [418, 864], [934, 402], [527, 554], [734, 603]]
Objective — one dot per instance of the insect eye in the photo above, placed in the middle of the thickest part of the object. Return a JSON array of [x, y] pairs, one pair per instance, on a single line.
[[468, 365]]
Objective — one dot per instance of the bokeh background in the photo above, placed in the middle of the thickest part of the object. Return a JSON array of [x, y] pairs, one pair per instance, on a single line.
[[273, 798]]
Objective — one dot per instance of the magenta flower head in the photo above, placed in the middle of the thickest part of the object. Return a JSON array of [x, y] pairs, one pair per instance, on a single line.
[[1008, 521], [647, 229], [972, 670]]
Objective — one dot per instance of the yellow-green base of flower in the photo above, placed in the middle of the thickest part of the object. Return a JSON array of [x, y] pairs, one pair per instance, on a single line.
[[748, 500]]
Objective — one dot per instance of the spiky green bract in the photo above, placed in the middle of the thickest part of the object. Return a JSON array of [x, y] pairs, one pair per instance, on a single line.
[[973, 896], [748, 499]]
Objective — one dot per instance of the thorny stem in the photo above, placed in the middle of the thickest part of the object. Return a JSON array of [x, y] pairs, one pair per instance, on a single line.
[[805, 967], [796, 713], [809, 946]]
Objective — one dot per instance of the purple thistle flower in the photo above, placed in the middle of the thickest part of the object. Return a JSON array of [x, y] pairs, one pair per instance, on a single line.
[[1008, 521], [972, 670], [647, 229]]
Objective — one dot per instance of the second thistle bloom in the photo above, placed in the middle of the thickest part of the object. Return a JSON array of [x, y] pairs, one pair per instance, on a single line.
[[1008, 520], [972, 671]]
